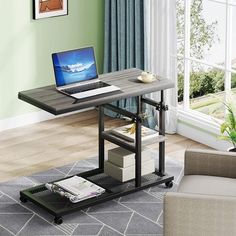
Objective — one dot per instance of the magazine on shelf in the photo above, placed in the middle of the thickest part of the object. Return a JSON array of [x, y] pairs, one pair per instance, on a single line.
[[75, 188], [124, 132]]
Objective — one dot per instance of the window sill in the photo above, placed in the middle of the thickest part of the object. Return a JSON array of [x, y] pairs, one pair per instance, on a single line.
[[199, 120], [200, 128]]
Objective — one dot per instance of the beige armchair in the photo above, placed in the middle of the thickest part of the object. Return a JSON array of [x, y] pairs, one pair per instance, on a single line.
[[205, 202]]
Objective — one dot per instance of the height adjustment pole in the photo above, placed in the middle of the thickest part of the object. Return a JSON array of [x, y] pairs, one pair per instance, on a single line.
[[101, 148], [138, 148], [162, 109]]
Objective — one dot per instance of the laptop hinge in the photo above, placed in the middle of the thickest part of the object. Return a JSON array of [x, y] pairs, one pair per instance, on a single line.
[[79, 84]]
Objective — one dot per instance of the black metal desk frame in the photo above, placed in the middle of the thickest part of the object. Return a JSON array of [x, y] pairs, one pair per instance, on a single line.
[[59, 206]]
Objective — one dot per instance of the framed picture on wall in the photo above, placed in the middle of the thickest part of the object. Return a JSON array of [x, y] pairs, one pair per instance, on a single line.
[[49, 8]]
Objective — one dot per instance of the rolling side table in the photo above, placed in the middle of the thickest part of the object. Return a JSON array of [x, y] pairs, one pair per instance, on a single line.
[[50, 100]]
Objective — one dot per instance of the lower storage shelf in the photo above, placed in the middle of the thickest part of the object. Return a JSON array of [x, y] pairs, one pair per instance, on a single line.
[[59, 206]]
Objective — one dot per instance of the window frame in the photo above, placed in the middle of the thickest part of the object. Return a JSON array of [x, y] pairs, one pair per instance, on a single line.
[[187, 59]]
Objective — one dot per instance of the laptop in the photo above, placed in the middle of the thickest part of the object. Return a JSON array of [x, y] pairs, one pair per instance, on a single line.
[[76, 74]]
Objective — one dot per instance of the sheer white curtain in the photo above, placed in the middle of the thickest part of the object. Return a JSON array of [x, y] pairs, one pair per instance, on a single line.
[[160, 51]]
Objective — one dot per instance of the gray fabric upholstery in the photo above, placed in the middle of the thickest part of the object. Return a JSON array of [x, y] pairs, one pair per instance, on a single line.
[[209, 162], [205, 203], [188, 214], [208, 185]]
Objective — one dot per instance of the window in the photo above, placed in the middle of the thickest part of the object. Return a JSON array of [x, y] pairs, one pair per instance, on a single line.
[[206, 55]]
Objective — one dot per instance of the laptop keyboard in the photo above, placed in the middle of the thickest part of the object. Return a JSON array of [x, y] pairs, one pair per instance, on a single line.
[[84, 88]]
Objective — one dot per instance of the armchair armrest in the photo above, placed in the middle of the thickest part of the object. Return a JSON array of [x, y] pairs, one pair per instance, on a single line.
[[194, 214], [210, 162]]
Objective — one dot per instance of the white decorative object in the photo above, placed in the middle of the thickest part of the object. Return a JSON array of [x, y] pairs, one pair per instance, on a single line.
[[148, 135], [124, 158], [146, 77], [128, 173]]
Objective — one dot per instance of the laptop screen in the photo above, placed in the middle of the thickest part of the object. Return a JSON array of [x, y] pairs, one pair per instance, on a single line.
[[74, 66]]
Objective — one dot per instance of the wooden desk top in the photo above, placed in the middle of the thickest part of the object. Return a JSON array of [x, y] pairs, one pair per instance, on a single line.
[[50, 100]]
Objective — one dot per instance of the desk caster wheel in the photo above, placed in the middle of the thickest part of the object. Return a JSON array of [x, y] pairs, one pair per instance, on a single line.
[[23, 200], [169, 184], [58, 220]]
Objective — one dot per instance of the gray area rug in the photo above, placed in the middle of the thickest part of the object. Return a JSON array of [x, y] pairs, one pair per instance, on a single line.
[[132, 215]]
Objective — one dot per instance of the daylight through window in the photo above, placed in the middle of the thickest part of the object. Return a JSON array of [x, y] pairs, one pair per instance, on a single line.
[[206, 55]]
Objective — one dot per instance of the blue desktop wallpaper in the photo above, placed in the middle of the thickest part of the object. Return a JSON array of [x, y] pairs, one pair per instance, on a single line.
[[74, 66]]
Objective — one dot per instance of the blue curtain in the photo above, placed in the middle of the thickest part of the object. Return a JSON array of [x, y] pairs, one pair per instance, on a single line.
[[124, 40]]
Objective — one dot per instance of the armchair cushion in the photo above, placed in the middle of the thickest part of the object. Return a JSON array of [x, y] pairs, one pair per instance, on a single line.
[[210, 162], [198, 215], [205, 203], [208, 185]]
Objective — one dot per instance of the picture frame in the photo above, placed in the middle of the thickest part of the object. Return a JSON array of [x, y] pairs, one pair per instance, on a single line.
[[49, 8]]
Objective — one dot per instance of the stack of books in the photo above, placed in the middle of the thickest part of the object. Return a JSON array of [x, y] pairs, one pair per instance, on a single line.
[[75, 188], [121, 164], [148, 135]]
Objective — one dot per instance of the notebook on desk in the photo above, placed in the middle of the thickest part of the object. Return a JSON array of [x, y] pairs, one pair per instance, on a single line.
[[76, 74]]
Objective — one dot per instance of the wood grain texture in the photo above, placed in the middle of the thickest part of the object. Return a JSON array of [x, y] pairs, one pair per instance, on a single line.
[[49, 99], [61, 141]]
